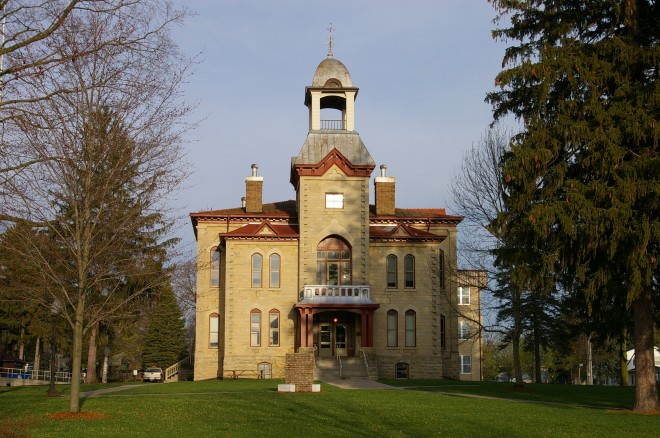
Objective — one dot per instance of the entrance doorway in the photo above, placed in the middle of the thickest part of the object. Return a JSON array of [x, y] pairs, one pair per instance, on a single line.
[[336, 333]]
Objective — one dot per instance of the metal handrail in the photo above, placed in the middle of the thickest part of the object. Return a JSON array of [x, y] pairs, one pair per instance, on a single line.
[[366, 362]]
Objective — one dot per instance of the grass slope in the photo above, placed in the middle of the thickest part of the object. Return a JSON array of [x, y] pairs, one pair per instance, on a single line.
[[249, 408]]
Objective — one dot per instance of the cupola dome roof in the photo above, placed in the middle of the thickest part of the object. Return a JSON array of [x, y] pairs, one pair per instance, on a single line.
[[329, 72]]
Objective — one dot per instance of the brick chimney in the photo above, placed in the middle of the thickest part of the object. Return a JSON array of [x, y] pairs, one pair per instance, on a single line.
[[253, 192], [384, 189]]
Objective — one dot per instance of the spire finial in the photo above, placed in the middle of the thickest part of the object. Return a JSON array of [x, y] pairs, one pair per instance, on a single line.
[[331, 41]]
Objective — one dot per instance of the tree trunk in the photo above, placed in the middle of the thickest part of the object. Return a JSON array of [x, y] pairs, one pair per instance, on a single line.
[[104, 372], [76, 356], [21, 345], [517, 322], [590, 377], [623, 362], [646, 392], [37, 358], [91, 355], [537, 351]]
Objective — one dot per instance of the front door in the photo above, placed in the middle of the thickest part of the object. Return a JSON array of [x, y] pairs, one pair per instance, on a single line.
[[325, 340], [340, 340]]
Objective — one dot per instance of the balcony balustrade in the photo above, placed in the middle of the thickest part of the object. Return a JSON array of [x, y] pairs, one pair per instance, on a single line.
[[332, 294]]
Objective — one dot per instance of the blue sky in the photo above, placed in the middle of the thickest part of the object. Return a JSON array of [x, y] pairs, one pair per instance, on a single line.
[[423, 68]]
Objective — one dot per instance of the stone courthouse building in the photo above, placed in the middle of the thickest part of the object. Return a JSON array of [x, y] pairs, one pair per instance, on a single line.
[[330, 272]]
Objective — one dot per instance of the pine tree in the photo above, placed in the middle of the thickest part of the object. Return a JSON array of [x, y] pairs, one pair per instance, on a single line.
[[585, 170], [164, 340]]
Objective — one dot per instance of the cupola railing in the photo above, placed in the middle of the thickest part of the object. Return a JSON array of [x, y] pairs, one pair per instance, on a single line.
[[334, 125]]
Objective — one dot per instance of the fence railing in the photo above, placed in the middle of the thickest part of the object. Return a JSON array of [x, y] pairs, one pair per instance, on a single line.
[[19, 373], [174, 369]]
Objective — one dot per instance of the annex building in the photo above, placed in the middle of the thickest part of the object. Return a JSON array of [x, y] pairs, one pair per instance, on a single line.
[[333, 272]]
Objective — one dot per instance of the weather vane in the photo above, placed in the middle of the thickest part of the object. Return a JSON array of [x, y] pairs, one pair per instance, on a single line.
[[331, 41]]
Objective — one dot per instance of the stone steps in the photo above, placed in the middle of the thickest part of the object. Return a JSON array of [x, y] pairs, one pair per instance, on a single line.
[[351, 367]]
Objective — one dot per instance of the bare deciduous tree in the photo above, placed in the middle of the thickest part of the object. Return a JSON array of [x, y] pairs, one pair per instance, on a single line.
[[105, 158]]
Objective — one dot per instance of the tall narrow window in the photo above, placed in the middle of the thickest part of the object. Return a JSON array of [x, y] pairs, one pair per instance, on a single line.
[[443, 332], [255, 328], [215, 267], [464, 295], [464, 330], [274, 270], [391, 271], [466, 364], [441, 269], [333, 262], [274, 328], [411, 335], [392, 328], [256, 270], [409, 271], [213, 330]]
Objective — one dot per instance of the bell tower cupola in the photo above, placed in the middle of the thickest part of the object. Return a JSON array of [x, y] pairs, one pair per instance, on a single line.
[[332, 87]]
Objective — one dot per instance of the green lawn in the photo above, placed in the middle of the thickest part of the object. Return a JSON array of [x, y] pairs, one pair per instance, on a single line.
[[254, 408]]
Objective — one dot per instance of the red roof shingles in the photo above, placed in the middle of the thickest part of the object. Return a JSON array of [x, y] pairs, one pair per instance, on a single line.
[[264, 230], [402, 232]]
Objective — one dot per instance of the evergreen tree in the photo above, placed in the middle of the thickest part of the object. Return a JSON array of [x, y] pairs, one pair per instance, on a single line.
[[585, 171], [164, 340]]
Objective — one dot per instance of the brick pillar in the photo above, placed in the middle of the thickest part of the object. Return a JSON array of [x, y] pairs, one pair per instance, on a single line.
[[384, 191], [299, 371]]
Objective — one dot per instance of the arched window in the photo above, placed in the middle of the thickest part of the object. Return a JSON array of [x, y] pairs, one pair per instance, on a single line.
[[274, 270], [256, 270], [215, 267], [409, 271], [333, 262], [255, 328], [274, 328], [392, 328], [411, 335], [391, 271], [441, 269], [401, 370], [214, 320]]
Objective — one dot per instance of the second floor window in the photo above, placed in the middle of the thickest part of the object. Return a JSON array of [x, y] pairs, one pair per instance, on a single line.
[[463, 295], [215, 267], [334, 200], [391, 271], [274, 270], [256, 270], [409, 271]]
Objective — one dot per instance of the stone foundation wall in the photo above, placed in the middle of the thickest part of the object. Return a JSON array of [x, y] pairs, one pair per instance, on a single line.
[[419, 367]]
